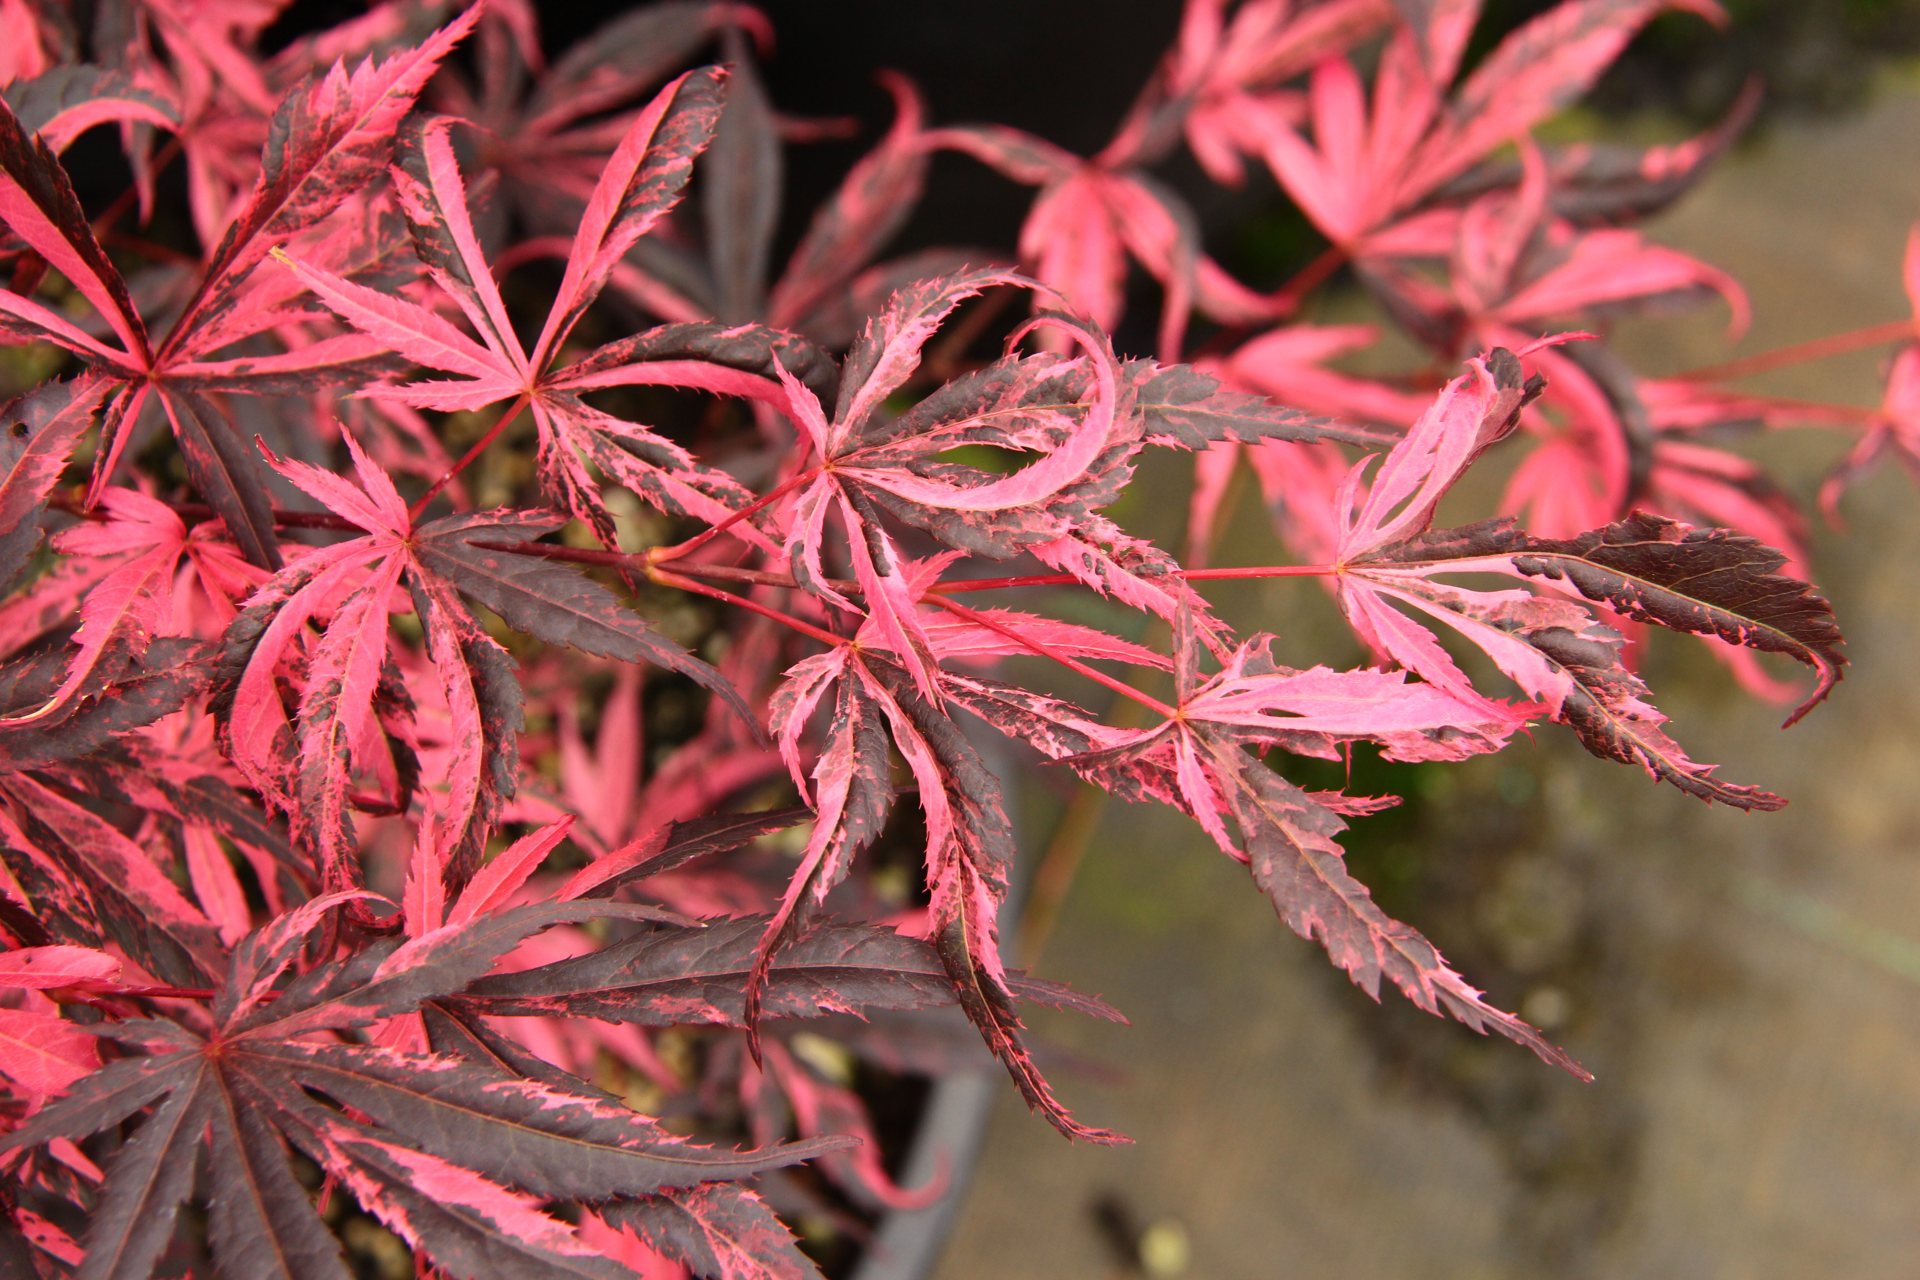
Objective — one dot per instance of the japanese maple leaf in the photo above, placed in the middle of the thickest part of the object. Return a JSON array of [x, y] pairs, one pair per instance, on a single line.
[[1515, 268], [41, 1053], [1092, 217], [61, 103], [352, 586], [642, 181], [145, 542], [969, 842], [329, 135], [1372, 163], [457, 1154], [1647, 568], [1198, 761], [1225, 81], [868, 456], [1086, 418], [550, 124], [726, 270]]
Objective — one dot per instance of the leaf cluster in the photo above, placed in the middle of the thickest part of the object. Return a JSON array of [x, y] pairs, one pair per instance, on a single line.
[[484, 635]]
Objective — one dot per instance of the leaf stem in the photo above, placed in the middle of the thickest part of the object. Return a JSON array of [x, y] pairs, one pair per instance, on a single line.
[[466, 459], [660, 555], [1799, 352], [1044, 650], [1189, 575], [669, 579]]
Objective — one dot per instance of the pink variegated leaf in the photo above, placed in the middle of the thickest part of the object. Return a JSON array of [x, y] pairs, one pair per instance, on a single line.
[[1606, 708], [969, 852], [476, 1225], [1071, 244], [1560, 657], [497, 882], [44, 427], [129, 606], [870, 204], [336, 712], [566, 1145], [41, 968], [254, 722], [888, 350], [1706, 581], [42, 1054], [38, 204], [1536, 70], [1014, 153], [642, 182], [1035, 484], [1709, 582], [955, 638], [482, 692], [673, 845], [716, 1229], [261, 958], [61, 103], [391, 979], [1288, 367], [456, 1152], [1135, 572], [1254, 699], [727, 359], [215, 886], [852, 795], [426, 178], [1472, 413], [646, 463], [329, 137], [1052, 726], [1228, 68], [671, 975], [170, 673], [96, 884], [1289, 846], [1600, 183], [415, 332]]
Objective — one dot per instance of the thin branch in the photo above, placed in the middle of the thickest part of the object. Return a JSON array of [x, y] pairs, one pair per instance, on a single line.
[[1189, 575], [805, 628], [662, 555], [1801, 352], [479, 447]]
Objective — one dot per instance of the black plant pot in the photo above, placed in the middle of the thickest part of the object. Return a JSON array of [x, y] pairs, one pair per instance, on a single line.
[[907, 1243]]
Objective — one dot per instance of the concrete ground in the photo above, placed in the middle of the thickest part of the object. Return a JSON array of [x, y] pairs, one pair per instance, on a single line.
[[1746, 987]]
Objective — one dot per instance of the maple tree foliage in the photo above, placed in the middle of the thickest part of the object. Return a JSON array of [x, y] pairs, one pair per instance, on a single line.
[[483, 823]]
